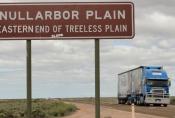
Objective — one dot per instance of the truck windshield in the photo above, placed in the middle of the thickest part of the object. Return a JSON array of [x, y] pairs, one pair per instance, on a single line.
[[157, 83]]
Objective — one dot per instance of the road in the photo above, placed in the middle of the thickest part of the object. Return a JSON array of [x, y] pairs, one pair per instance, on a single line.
[[168, 112], [88, 111]]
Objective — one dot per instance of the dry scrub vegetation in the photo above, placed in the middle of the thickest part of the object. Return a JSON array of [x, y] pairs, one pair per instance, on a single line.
[[40, 109]]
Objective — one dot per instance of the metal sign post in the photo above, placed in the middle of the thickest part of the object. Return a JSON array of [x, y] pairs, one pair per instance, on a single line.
[[29, 79], [97, 78]]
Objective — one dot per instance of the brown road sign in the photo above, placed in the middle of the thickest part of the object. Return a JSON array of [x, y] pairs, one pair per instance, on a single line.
[[22, 21]]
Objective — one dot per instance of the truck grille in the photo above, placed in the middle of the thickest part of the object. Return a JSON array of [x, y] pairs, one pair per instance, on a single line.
[[158, 93]]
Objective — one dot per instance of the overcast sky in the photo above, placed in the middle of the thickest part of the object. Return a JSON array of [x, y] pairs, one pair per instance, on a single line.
[[66, 68]]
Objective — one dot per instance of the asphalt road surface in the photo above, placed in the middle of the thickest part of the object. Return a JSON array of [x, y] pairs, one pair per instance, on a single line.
[[88, 111]]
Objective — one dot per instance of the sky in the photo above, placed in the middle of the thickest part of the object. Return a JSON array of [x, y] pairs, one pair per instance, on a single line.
[[66, 68]]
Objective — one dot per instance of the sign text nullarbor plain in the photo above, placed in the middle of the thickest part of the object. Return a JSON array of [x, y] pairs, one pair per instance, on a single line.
[[65, 15]]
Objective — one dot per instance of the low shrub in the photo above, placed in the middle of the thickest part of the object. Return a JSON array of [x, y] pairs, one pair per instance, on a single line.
[[38, 113], [40, 109], [3, 115]]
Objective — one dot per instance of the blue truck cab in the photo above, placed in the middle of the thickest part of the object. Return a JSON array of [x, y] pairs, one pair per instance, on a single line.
[[156, 86], [144, 85]]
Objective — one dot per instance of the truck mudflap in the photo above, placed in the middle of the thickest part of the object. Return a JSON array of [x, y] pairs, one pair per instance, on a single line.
[[152, 100]]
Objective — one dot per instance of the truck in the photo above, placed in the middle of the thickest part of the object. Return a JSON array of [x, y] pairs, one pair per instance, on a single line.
[[144, 85]]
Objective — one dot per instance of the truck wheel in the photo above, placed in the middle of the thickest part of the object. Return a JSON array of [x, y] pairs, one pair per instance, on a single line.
[[119, 101], [157, 105], [137, 102], [124, 102], [140, 102], [146, 104], [165, 105]]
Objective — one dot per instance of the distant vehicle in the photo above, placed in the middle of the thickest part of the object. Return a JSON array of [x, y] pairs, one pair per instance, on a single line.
[[144, 85]]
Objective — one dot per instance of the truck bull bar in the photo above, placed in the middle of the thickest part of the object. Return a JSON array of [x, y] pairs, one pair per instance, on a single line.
[[158, 95]]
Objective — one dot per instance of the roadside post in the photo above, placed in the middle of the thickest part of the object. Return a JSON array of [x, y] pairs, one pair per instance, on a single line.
[[29, 79], [133, 110], [66, 21], [97, 78]]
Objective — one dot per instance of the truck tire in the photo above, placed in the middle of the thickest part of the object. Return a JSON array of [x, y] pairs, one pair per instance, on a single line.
[[157, 105], [137, 102], [165, 105], [141, 101], [119, 101], [146, 104]]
